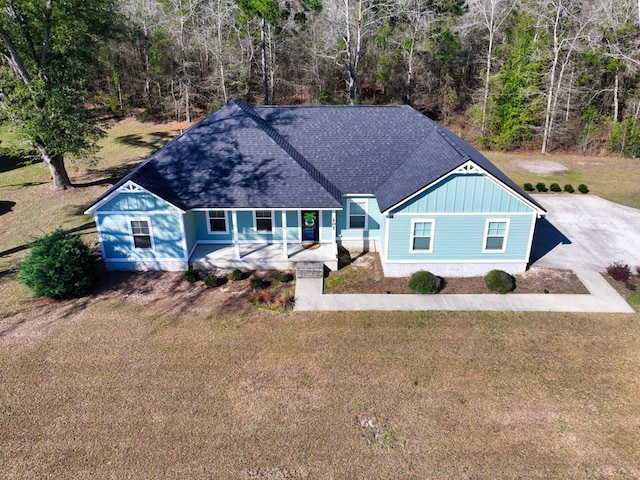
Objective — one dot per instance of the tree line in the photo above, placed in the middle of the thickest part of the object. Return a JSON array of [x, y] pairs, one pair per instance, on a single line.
[[543, 74]]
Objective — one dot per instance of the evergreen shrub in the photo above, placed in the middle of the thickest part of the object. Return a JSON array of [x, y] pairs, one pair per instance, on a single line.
[[527, 187], [499, 281], [235, 275], [282, 277], [582, 188], [569, 188], [425, 282], [59, 266], [191, 276], [256, 283], [554, 187], [211, 281], [541, 187]]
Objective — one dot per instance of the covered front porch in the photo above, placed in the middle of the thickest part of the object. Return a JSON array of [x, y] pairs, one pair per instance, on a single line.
[[253, 256]]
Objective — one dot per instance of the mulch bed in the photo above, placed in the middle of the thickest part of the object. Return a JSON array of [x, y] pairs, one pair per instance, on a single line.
[[365, 275]]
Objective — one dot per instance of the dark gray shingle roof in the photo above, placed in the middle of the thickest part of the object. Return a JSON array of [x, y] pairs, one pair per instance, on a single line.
[[305, 157]]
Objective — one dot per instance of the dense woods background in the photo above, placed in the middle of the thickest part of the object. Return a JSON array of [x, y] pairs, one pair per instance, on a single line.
[[543, 74]]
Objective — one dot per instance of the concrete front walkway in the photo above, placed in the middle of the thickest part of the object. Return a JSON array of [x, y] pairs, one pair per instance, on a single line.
[[602, 299]]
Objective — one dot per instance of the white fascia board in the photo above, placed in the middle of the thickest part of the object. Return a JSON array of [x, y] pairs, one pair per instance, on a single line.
[[127, 187]]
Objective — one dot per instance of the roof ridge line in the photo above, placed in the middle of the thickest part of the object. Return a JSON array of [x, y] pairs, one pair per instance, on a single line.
[[455, 146], [292, 152]]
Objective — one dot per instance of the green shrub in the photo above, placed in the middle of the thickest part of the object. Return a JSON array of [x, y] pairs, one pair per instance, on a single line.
[[59, 266], [554, 187], [211, 281], [527, 187], [256, 283], [499, 281], [282, 277], [425, 282], [235, 275], [191, 276], [582, 188], [569, 188], [541, 187]]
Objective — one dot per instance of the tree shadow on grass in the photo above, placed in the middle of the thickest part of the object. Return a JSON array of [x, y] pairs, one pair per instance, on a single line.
[[152, 141], [108, 176], [10, 161], [6, 206]]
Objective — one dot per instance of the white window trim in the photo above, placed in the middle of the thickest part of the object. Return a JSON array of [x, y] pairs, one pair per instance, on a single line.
[[226, 222], [486, 235], [133, 243], [255, 221], [411, 234], [366, 213]]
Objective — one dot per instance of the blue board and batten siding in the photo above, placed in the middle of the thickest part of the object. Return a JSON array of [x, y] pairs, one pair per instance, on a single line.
[[167, 231], [458, 211]]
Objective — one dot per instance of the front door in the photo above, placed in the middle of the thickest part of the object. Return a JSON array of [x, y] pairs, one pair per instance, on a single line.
[[310, 229]]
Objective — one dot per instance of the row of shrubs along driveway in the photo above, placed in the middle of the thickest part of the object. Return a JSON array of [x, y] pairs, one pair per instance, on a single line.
[[585, 232]]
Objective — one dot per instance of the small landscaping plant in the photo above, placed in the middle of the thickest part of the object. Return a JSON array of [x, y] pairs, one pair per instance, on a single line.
[[527, 187], [619, 271], [569, 188], [499, 281], [59, 266], [256, 283], [212, 281], [282, 277], [235, 275], [425, 282], [541, 187], [554, 187], [582, 188], [191, 276]]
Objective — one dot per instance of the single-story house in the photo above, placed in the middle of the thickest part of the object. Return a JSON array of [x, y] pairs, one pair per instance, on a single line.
[[269, 186]]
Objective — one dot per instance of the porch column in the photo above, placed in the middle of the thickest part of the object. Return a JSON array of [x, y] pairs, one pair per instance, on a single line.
[[236, 242], [285, 252], [334, 244]]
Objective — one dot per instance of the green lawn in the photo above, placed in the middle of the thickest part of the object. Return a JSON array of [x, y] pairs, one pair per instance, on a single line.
[[168, 380]]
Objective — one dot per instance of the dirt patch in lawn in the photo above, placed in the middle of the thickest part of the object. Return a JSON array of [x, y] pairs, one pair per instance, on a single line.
[[541, 167], [365, 275]]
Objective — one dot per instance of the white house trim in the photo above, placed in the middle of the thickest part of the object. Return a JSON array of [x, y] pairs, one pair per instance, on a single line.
[[226, 222], [127, 187], [480, 170], [131, 219]]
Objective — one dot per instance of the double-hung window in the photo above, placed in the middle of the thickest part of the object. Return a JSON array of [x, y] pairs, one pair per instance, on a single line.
[[495, 239], [263, 221], [218, 221], [357, 214], [421, 236], [141, 233]]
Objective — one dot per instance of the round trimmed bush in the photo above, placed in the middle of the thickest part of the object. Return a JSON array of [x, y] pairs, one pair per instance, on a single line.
[[569, 188], [59, 266], [554, 187], [499, 281], [527, 187], [211, 281], [541, 187], [582, 188], [235, 275], [191, 276], [282, 277], [425, 282], [256, 283]]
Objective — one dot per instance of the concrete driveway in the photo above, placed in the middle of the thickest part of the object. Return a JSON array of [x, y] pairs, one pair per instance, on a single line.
[[585, 232]]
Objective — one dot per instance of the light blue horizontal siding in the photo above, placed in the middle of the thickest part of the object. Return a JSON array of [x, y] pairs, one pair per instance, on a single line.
[[202, 227], [135, 202], [471, 193], [326, 235], [117, 242], [191, 228], [374, 221], [459, 237]]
